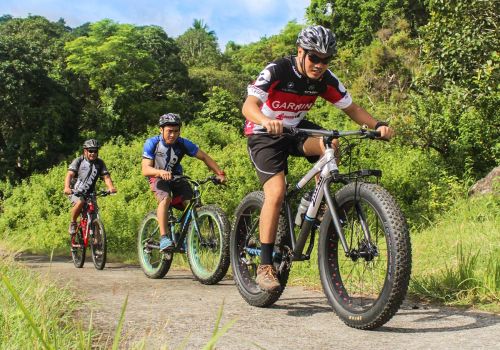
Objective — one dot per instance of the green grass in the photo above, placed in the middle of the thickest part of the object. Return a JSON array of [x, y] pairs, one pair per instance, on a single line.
[[37, 312], [457, 261]]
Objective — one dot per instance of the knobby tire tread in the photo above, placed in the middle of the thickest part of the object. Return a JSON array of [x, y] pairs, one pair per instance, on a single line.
[[396, 225], [250, 292], [222, 221], [164, 266]]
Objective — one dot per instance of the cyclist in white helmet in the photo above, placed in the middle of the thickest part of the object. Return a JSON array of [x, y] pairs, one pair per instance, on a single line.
[[86, 170], [281, 96]]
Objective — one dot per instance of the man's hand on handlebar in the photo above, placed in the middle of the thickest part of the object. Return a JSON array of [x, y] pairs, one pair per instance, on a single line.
[[386, 132], [273, 126], [165, 175]]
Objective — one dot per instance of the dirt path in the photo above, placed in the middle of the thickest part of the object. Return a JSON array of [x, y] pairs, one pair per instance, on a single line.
[[177, 310]]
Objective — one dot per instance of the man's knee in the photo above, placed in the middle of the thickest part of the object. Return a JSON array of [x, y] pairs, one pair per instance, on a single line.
[[165, 201], [274, 191]]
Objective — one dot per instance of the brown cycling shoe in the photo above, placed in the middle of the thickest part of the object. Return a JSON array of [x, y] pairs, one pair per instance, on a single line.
[[267, 279]]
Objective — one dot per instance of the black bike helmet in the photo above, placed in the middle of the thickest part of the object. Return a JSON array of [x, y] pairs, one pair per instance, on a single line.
[[170, 119], [92, 143], [319, 39]]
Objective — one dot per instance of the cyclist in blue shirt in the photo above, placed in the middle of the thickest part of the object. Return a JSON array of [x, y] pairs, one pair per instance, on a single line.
[[161, 160]]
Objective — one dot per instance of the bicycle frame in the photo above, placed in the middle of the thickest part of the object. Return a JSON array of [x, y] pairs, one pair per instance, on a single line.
[[189, 214], [328, 171], [88, 214]]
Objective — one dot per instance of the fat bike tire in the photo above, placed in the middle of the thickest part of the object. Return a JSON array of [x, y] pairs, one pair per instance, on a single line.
[[245, 245], [365, 291], [154, 263]]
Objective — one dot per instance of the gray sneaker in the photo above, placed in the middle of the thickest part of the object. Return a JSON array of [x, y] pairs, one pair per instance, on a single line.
[[267, 278], [73, 226]]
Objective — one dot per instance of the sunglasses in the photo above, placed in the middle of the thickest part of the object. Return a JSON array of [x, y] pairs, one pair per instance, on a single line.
[[316, 59], [92, 150]]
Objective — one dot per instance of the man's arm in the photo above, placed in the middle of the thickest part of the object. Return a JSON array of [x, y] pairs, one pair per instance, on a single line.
[[67, 181], [251, 111], [109, 183], [211, 164], [148, 169], [362, 117]]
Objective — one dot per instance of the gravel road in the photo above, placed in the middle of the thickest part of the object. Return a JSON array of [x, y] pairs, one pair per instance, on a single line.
[[178, 312]]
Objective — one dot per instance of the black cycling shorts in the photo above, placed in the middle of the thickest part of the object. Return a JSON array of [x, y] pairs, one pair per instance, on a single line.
[[269, 153]]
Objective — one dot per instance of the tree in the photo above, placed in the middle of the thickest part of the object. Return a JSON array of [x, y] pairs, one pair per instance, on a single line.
[[455, 104], [130, 70], [222, 107], [255, 56], [460, 44], [198, 46], [354, 22], [36, 105]]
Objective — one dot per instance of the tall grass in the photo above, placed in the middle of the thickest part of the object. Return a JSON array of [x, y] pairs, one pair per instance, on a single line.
[[457, 261], [36, 312]]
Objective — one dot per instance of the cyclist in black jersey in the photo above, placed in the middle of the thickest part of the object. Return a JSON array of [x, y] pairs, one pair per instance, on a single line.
[[281, 96], [86, 170]]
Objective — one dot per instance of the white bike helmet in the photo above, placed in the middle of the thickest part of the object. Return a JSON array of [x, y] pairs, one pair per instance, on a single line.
[[317, 38]]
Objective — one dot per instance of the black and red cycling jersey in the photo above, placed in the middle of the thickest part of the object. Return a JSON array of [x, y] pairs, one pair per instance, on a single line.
[[288, 95]]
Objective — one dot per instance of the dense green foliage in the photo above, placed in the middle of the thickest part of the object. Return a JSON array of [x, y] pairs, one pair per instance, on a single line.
[[35, 99], [355, 22], [431, 68]]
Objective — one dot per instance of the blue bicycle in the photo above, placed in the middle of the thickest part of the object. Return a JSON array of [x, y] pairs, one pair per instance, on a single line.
[[201, 231]]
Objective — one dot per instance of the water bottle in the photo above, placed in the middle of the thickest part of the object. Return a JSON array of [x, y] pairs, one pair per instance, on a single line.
[[301, 211]]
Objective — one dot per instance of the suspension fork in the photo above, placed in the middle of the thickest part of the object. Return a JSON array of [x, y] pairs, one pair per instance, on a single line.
[[191, 215], [334, 211]]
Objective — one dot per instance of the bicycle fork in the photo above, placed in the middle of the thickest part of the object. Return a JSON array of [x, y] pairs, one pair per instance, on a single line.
[[329, 170]]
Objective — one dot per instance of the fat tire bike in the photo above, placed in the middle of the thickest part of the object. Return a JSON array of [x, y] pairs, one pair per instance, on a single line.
[[200, 231], [90, 231], [364, 249]]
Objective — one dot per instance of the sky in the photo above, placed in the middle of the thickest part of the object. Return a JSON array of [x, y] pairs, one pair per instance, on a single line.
[[242, 21]]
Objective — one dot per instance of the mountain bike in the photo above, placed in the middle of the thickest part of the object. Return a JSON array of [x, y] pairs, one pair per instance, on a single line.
[[364, 250], [201, 231], [91, 231]]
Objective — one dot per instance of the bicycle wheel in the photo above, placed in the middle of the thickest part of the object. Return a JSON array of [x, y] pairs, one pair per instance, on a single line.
[[98, 245], [208, 244], [245, 251], [78, 249], [154, 263], [366, 287]]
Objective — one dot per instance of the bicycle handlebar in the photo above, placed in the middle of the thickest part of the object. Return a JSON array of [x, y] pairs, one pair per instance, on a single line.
[[294, 131], [370, 134], [101, 193], [211, 178]]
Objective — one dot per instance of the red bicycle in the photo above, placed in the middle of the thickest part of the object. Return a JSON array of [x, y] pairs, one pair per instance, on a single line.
[[91, 232]]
